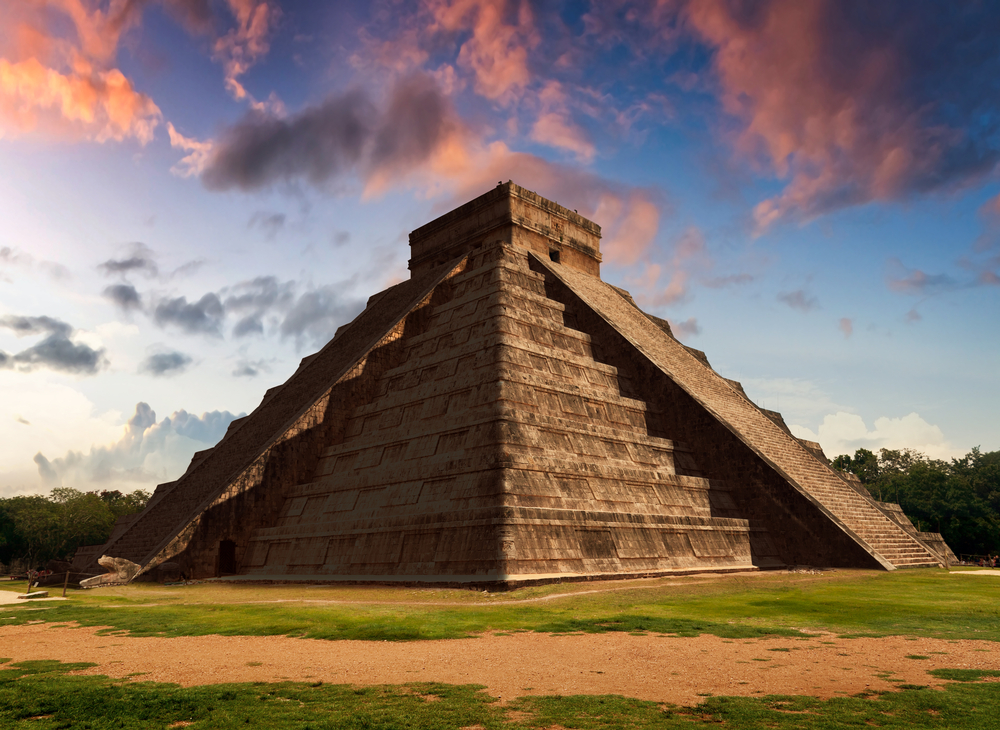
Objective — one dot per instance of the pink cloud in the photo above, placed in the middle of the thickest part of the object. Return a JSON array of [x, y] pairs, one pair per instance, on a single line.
[[846, 326], [688, 328], [829, 99], [56, 78], [502, 35], [246, 43], [689, 254], [83, 102], [555, 127]]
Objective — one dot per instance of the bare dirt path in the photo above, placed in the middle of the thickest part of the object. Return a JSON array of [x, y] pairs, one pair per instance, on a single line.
[[662, 669]]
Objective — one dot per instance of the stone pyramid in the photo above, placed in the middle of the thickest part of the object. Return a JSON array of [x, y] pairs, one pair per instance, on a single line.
[[506, 417]]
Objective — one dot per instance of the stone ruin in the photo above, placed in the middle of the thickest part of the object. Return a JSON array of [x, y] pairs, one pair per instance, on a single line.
[[501, 418]]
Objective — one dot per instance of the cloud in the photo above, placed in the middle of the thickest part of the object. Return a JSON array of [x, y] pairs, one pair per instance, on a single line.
[[415, 139], [903, 280], [202, 317], [855, 103], [55, 351], [254, 299], [141, 260], [198, 153], [688, 328], [48, 475], [317, 314], [845, 433], [555, 127], [846, 326], [721, 282], [12, 257], [124, 296], [246, 43], [799, 300], [494, 50], [269, 223], [689, 254], [250, 368], [147, 452], [165, 363], [317, 144], [85, 102], [59, 80]]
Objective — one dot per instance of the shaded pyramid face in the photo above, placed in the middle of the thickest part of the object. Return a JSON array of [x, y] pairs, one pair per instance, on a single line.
[[505, 416]]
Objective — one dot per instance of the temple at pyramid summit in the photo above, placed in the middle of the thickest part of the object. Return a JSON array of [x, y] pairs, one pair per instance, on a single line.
[[501, 418]]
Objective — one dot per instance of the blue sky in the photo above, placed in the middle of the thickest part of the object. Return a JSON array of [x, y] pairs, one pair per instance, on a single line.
[[196, 193]]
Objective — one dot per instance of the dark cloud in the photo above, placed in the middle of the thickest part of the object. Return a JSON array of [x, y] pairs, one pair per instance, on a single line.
[[140, 260], [258, 294], [248, 325], [317, 314], [317, 144], [250, 368], [165, 363], [124, 297], [270, 224], [253, 299], [343, 134], [22, 326], [49, 476], [856, 102], [412, 125], [202, 317], [799, 299], [58, 352], [55, 351]]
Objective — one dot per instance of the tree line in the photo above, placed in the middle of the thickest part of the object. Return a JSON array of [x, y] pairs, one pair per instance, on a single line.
[[960, 499], [35, 528]]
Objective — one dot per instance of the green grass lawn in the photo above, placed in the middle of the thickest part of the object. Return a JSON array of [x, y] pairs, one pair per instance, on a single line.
[[41, 695], [929, 603], [932, 603]]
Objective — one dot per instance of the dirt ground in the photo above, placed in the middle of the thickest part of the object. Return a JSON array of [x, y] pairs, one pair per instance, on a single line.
[[662, 669]]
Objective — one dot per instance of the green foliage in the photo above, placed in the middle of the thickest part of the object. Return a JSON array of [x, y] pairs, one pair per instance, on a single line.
[[961, 499], [35, 529], [44, 695]]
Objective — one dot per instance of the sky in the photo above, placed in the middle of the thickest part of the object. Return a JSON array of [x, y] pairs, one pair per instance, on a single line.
[[195, 194]]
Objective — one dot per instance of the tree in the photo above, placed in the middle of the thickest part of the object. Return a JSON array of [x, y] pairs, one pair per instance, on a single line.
[[961, 499], [35, 529]]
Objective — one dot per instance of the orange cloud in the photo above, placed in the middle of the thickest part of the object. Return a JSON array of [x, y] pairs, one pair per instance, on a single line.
[[849, 104], [497, 51], [98, 105], [60, 83], [554, 126], [247, 43]]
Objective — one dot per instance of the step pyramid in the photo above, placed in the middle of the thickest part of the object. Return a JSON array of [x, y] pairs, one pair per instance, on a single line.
[[506, 417]]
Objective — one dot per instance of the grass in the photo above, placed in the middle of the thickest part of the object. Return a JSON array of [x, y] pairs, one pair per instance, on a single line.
[[925, 603], [43, 694]]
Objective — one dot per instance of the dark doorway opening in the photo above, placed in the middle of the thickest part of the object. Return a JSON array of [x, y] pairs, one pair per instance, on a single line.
[[227, 557]]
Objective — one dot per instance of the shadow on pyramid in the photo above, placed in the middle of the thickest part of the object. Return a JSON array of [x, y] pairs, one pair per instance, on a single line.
[[502, 418]]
